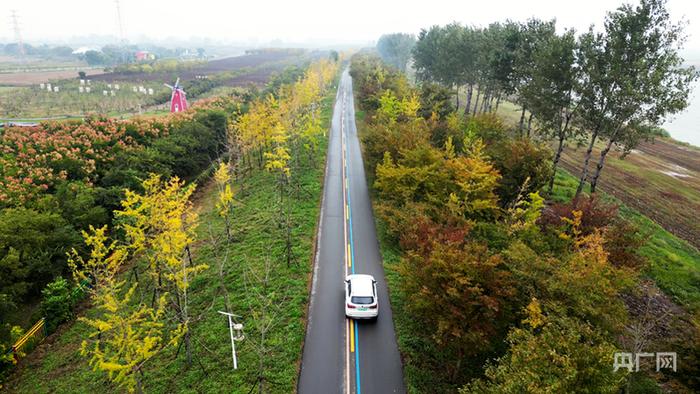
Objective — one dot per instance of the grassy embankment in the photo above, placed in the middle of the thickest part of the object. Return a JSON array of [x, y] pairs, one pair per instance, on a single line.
[[674, 263], [649, 195], [280, 304]]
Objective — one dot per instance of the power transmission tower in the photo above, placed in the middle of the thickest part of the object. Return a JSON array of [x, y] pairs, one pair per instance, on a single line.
[[18, 35], [122, 39]]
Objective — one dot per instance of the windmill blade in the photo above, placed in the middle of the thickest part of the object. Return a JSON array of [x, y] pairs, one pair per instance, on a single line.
[[177, 82], [171, 87]]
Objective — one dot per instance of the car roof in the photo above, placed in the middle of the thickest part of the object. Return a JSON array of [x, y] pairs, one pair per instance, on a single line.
[[362, 285]]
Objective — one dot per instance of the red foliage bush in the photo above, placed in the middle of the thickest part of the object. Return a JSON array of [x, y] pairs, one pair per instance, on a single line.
[[596, 214], [622, 238]]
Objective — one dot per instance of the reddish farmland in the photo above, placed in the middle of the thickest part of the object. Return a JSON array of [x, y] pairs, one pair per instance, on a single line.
[[270, 61], [33, 78], [660, 179]]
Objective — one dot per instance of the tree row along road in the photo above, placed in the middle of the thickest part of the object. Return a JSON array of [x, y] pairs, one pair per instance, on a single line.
[[342, 355]]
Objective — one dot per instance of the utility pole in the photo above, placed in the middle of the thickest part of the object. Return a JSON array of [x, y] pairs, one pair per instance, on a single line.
[[18, 35]]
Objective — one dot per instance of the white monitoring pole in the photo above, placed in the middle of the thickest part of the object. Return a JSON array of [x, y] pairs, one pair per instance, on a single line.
[[239, 335]]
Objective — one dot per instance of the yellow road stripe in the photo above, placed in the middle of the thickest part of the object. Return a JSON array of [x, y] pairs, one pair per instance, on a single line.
[[347, 357], [352, 337], [349, 256]]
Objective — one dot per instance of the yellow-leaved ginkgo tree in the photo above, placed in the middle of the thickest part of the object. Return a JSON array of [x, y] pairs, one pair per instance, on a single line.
[[126, 334], [160, 224], [224, 200]]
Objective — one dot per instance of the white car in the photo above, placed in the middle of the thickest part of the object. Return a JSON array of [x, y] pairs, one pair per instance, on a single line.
[[361, 297]]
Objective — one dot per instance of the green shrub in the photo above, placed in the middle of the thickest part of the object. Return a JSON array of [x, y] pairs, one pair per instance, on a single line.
[[57, 303], [521, 162]]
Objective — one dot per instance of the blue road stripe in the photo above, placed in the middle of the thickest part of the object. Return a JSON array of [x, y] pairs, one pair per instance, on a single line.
[[352, 265], [357, 361]]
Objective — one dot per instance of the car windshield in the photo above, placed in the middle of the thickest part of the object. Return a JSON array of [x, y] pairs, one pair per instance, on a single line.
[[362, 300]]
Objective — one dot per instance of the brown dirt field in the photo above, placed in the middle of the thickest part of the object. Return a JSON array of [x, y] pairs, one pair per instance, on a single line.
[[258, 77], [687, 156], [660, 179], [33, 78], [215, 66]]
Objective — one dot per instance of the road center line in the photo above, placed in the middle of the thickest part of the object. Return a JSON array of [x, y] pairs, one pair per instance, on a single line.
[[351, 329], [354, 335], [348, 324]]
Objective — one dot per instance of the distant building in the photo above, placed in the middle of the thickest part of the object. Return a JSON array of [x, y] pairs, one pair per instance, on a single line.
[[144, 56], [83, 50]]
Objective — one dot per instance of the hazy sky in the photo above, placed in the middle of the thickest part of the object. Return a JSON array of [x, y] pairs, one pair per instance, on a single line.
[[319, 21]]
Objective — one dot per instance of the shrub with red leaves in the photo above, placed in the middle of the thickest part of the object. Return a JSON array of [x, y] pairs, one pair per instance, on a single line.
[[596, 214]]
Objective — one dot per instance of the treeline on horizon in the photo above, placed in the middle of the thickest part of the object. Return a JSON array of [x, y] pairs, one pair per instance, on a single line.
[[107, 55]]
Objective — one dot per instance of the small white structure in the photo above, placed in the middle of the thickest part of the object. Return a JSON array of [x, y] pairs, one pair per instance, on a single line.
[[55, 89], [87, 89], [109, 86], [81, 89], [104, 92], [134, 89], [42, 86], [150, 91], [236, 333], [48, 87], [111, 92], [82, 82], [116, 86], [83, 50]]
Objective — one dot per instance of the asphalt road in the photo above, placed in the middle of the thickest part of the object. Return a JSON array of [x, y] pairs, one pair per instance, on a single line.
[[341, 355]]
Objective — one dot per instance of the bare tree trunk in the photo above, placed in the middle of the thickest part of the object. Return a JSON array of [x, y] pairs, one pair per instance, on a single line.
[[288, 240], [557, 156], [188, 347], [492, 96], [183, 309], [498, 102], [222, 282], [584, 170], [522, 121], [601, 163], [470, 91], [485, 101], [476, 104], [457, 96], [227, 223], [157, 287]]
